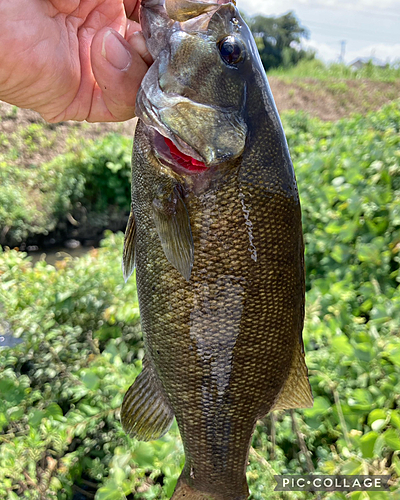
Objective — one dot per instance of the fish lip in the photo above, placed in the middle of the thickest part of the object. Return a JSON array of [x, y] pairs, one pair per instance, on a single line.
[[165, 157]]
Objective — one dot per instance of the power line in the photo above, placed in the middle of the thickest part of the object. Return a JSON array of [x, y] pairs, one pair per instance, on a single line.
[[342, 50], [388, 15], [348, 31]]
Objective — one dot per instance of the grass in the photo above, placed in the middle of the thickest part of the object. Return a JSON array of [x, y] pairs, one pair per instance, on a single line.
[[320, 71]]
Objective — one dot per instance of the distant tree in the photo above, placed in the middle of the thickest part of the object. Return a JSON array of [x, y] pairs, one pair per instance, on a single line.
[[278, 40]]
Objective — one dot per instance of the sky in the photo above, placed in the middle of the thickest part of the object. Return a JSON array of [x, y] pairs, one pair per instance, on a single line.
[[368, 28]]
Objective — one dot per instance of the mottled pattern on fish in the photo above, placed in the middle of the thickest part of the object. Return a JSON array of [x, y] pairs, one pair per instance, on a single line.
[[223, 347]]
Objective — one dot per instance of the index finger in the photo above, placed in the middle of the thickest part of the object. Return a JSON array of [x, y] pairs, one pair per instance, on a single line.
[[132, 9]]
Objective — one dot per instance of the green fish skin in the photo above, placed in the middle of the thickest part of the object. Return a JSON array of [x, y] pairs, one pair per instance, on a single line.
[[215, 235]]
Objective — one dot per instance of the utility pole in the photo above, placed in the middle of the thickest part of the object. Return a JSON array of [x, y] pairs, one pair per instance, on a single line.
[[342, 51]]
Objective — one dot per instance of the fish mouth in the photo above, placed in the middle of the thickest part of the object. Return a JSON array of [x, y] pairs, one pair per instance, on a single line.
[[169, 148], [170, 154]]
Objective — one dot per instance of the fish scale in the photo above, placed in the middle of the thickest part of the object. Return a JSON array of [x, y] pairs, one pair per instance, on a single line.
[[219, 269]]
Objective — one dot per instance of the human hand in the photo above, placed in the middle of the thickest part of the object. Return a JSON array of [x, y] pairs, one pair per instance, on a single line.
[[72, 59]]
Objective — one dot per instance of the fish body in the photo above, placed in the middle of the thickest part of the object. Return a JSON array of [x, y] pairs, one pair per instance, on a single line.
[[215, 235]]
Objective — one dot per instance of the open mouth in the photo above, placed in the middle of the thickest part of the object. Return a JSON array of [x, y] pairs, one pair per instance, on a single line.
[[168, 152], [185, 161]]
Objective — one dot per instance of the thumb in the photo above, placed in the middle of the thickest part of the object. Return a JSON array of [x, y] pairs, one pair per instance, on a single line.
[[118, 67]]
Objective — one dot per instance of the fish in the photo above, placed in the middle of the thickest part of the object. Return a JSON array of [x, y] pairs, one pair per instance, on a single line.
[[215, 236]]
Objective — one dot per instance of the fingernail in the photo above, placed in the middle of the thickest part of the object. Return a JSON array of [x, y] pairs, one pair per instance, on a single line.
[[115, 52]]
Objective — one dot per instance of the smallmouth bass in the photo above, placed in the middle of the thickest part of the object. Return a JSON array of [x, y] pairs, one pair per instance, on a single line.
[[215, 235]]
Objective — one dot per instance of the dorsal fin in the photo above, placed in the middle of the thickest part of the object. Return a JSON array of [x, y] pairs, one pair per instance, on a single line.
[[183, 10]]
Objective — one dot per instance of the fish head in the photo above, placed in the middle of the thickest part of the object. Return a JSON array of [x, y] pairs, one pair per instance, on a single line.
[[193, 98]]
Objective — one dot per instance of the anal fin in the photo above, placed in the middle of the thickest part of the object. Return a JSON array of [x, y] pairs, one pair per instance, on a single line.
[[146, 413], [296, 392]]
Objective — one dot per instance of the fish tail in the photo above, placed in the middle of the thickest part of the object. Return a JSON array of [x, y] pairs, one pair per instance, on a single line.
[[185, 492]]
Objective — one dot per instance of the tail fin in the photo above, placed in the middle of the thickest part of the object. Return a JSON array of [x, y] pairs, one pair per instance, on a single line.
[[184, 492]]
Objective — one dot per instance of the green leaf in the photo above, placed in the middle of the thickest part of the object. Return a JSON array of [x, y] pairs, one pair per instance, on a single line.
[[364, 352], [340, 253], [55, 483], [395, 418], [144, 455], [352, 467], [361, 400], [169, 485], [3, 421], [392, 439], [396, 463], [367, 443], [321, 405], [91, 411], [379, 495], [379, 444], [376, 415], [369, 253], [394, 356], [91, 380], [54, 411], [118, 475], [110, 491], [15, 413], [341, 344], [36, 417]]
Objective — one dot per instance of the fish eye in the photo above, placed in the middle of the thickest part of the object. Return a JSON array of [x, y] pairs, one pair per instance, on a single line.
[[231, 50]]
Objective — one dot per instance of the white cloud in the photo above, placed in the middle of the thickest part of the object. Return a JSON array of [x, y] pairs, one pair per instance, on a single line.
[[273, 7], [328, 53]]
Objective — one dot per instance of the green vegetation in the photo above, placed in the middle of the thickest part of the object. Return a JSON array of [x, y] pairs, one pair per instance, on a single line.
[[40, 190], [276, 37], [316, 69], [91, 178], [61, 389]]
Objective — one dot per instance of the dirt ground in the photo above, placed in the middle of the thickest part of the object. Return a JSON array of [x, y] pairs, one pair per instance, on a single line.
[[331, 100], [327, 100], [26, 140]]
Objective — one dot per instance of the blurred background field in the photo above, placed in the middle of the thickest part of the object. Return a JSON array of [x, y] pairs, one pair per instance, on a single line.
[[73, 328]]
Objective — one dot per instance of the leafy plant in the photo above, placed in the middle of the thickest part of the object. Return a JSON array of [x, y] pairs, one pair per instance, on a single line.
[[61, 389], [91, 180]]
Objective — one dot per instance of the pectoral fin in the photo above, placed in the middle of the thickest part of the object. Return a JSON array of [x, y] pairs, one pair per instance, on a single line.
[[128, 259], [296, 392], [173, 227], [145, 412]]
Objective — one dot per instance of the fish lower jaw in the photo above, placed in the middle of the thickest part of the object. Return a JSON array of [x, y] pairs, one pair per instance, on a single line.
[[170, 155]]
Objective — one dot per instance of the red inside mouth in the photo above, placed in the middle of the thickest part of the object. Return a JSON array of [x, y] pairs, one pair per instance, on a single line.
[[184, 161]]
